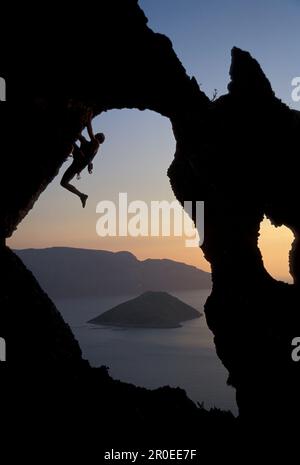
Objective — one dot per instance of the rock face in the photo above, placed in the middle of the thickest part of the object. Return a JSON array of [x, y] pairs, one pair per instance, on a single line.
[[149, 310], [242, 167], [237, 153], [34, 330]]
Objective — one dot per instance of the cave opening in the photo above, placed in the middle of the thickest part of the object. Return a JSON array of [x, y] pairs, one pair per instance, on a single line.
[[275, 244], [135, 157]]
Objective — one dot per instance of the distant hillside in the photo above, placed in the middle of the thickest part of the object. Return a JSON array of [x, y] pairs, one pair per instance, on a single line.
[[67, 272], [149, 310]]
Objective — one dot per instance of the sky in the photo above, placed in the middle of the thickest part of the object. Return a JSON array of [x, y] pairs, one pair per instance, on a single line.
[[139, 146]]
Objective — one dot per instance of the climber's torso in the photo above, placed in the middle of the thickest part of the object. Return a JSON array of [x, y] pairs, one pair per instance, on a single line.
[[89, 149]]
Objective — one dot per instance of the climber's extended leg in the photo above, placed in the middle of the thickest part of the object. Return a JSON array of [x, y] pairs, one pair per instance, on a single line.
[[65, 182]]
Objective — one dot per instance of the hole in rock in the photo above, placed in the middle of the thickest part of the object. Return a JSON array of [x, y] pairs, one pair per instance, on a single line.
[[134, 159], [275, 244]]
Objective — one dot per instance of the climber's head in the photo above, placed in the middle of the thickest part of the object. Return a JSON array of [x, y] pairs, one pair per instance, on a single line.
[[100, 137]]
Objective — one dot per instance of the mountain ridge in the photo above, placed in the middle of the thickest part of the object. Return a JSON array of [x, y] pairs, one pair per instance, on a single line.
[[67, 272]]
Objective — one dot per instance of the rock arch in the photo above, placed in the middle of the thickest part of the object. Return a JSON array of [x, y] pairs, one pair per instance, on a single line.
[[236, 153]]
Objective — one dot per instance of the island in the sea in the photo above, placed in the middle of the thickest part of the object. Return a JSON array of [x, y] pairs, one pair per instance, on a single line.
[[148, 310]]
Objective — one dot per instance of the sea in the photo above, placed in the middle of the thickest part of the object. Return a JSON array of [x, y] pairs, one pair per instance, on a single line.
[[182, 357]]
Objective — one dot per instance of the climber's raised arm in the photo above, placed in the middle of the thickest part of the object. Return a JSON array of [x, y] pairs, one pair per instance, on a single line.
[[90, 129], [81, 138]]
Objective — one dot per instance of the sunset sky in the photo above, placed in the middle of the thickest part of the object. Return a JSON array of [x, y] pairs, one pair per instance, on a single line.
[[139, 146]]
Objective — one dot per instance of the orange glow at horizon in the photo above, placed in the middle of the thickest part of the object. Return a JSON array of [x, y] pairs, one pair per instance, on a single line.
[[274, 244]]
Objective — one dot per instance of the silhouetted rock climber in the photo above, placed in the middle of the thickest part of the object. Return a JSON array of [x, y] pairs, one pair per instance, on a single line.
[[82, 158]]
